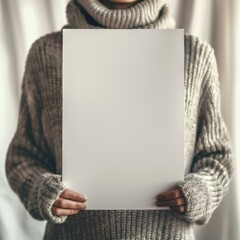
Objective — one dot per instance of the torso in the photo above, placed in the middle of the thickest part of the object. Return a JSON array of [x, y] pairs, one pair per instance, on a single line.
[[51, 94]]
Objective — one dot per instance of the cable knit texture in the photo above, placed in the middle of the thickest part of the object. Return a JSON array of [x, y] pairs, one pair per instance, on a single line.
[[34, 158]]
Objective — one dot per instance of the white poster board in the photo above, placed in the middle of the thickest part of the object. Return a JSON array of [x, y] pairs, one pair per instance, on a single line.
[[123, 115]]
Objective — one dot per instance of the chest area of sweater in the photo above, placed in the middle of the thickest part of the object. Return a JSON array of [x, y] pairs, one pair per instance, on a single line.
[[52, 98], [51, 85]]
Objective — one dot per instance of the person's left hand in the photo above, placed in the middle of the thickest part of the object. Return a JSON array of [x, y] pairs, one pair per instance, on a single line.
[[173, 199]]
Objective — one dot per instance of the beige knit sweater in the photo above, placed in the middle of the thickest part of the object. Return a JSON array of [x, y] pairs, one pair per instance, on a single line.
[[34, 158]]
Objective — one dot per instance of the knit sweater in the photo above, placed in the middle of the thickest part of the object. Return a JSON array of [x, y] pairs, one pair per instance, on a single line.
[[34, 157]]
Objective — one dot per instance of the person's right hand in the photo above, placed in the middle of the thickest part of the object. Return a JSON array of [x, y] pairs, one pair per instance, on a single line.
[[68, 203]]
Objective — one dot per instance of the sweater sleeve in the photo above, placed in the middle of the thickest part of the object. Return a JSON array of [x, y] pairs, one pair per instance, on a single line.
[[29, 164], [212, 167]]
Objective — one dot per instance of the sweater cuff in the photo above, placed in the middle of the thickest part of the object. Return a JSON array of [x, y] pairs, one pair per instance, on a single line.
[[197, 195], [49, 191]]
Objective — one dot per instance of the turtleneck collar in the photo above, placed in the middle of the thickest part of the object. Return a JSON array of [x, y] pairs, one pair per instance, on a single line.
[[152, 14]]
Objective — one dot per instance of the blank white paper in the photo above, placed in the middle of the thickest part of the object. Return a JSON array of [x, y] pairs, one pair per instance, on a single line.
[[123, 115]]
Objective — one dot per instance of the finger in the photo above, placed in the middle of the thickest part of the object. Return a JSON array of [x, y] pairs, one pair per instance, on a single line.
[[66, 203], [172, 202], [176, 193], [63, 212], [180, 209], [69, 194]]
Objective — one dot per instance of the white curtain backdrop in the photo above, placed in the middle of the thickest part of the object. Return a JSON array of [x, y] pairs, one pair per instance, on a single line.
[[22, 22]]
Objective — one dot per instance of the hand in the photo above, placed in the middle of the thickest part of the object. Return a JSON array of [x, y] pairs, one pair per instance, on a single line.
[[173, 199], [68, 203]]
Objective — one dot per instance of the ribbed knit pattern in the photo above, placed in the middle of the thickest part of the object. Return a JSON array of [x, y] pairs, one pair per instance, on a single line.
[[93, 14], [34, 158]]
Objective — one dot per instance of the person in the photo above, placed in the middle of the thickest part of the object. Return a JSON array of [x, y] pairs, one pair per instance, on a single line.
[[34, 157]]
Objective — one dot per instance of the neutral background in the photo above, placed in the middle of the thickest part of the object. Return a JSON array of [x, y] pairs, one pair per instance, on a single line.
[[22, 22]]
